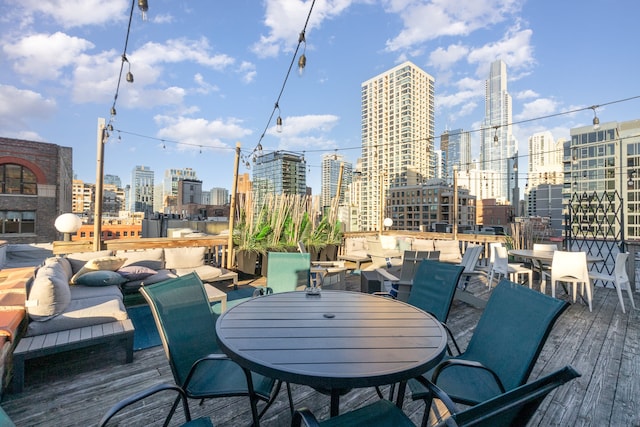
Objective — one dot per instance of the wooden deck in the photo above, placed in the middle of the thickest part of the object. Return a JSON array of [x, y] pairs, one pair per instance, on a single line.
[[75, 389]]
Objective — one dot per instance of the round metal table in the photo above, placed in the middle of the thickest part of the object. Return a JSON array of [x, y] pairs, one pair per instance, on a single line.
[[333, 341]]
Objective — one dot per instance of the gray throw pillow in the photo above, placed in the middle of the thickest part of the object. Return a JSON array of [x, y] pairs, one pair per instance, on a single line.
[[49, 294], [100, 278]]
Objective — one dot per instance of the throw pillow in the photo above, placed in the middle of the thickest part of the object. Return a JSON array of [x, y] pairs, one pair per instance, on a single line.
[[135, 272], [100, 278], [183, 257], [110, 263], [49, 294], [79, 259]]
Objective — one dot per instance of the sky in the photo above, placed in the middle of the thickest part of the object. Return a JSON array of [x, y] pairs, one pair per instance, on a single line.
[[207, 74]]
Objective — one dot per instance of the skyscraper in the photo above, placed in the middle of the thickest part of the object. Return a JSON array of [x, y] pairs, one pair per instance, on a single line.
[[141, 196], [279, 172], [397, 136], [456, 148], [498, 144], [331, 164]]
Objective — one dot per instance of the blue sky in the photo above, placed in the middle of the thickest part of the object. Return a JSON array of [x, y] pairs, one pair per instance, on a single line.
[[207, 73]]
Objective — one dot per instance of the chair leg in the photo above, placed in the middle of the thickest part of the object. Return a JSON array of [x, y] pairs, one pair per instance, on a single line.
[[630, 292], [619, 292]]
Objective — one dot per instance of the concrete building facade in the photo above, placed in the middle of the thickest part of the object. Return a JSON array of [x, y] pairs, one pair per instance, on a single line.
[[397, 136]]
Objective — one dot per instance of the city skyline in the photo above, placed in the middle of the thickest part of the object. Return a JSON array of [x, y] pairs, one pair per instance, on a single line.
[[206, 77]]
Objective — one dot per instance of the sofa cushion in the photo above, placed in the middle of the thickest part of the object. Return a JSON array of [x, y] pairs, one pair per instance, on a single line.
[[81, 292], [79, 259], [110, 263], [133, 285], [81, 313], [135, 272], [422, 245], [449, 250], [175, 258], [205, 272], [49, 293], [100, 278], [150, 258]]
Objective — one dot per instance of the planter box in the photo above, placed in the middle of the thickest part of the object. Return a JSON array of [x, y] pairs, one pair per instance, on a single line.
[[247, 261]]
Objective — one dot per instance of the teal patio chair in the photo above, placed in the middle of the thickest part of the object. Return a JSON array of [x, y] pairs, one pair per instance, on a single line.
[[510, 409], [287, 271], [503, 349], [433, 289], [114, 411], [186, 324]]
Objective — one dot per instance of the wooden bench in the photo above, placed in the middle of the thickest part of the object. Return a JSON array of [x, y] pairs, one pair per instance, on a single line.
[[119, 332]]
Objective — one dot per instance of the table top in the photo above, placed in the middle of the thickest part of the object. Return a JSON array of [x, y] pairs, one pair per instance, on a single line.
[[545, 256], [333, 340]]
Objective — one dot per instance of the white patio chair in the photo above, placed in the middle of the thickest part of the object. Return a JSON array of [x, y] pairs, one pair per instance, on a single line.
[[619, 278], [570, 267], [492, 257], [502, 268], [543, 267]]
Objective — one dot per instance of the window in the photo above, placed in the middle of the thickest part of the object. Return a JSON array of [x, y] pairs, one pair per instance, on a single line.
[[16, 179], [17, 222]]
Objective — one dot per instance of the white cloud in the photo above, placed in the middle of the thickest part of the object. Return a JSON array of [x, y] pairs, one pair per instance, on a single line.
[[45, 56], [526, 94], [19, 106], [285, 19], [182, 49], [424, 21], [77, 13], [538, 108], [445, 58], [514, 49], [197, 133], [306, 131], [203, 86]]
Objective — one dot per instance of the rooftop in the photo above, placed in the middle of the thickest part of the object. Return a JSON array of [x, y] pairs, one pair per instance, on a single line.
[[77, 388]]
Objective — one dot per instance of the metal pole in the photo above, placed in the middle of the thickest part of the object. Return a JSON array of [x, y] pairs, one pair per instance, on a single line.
[[232, 208], [455, 202], [97, 216]]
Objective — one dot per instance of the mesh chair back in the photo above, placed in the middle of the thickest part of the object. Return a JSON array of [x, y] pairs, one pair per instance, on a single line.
[[515, 407], [434, 286], [287, 271], [411, 261], [512, 331], [471, 257], [185, 321]]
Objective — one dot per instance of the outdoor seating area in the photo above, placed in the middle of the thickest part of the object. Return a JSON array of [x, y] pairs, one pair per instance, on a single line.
[[87, 382]]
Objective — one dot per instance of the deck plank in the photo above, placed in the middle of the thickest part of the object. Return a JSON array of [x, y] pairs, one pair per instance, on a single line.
[[79, 386]]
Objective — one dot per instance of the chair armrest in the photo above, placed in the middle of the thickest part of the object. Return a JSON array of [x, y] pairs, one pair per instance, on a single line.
[[194, 367], [388, 276], [143, 395], [303, 414], [433, 391], [468, 364]]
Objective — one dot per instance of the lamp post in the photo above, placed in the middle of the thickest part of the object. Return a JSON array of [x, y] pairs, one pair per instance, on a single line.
[[97, 215], [67, 224]]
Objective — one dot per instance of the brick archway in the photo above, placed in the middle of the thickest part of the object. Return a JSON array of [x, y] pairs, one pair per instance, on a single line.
[[40, 177]]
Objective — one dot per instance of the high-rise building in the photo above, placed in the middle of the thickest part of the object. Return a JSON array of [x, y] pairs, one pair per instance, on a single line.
[[218, 196], [141, 193], [280, 172], [456, 148], [331, 165], [397, 136], [545, 160], [112, 180], [170, 184], [498, 144], [603, 164]]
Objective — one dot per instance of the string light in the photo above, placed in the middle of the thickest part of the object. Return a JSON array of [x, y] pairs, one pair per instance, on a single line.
[[596, 120]]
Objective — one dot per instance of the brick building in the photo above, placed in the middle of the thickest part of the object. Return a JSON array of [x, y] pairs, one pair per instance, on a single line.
[[35, 187]]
